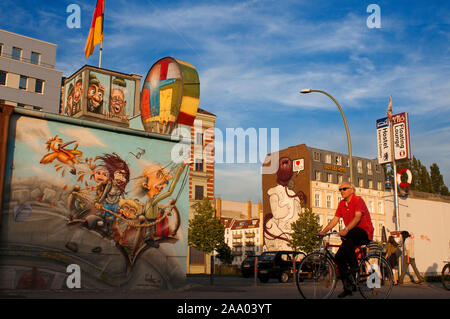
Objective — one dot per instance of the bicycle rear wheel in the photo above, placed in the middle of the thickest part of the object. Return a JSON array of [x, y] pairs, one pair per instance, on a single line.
[[316, 277], [446, 276], [375, 278]]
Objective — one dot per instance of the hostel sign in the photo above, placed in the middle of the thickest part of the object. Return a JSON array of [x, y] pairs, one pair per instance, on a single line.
[[402, 149], [384, 141]]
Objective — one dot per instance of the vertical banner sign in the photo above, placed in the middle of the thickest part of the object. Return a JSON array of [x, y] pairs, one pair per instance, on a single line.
[[402, 149], [383, 141]]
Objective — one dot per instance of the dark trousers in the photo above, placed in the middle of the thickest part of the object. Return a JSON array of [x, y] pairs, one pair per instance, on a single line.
[[346, 257]]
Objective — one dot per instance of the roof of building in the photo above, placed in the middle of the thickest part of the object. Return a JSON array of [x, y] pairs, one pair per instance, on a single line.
[[202, 111]]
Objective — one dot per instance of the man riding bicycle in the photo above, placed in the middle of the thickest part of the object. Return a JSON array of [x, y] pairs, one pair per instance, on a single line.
[[358, 231]]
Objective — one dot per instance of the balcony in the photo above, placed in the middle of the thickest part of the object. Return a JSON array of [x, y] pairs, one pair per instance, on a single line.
[[237, 236], [237, 244], [250, 235]]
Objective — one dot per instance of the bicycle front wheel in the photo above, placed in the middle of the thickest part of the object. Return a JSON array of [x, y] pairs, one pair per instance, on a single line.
[[446, 276], [375, 278], [316, 277]]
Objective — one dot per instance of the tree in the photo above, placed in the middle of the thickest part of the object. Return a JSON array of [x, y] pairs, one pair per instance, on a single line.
[[437, 180], [224, 253], [304, 231], [205, 231]]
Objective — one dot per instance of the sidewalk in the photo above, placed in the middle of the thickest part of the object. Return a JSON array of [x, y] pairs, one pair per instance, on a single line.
[[225, 287]]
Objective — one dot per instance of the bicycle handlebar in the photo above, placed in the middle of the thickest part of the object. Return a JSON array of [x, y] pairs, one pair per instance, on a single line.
[[328, 234]]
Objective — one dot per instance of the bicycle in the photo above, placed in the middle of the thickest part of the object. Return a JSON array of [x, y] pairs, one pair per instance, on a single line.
[[317, 273], [446, 275]]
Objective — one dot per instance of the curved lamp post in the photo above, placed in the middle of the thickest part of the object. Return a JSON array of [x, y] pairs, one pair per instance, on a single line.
[[306, 91]]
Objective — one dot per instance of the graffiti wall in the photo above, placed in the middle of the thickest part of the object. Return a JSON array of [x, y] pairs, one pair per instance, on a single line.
[[114, 204], [73, 96], [284, 193]]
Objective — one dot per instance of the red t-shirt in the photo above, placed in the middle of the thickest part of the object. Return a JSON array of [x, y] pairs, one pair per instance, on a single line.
[[346, 211]]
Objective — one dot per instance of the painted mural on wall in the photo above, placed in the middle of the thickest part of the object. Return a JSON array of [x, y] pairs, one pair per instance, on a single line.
[[285, 204], [73, 94], [114, 204]]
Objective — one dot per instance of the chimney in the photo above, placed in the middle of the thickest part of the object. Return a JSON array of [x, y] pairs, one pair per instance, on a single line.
[[249, 210], [218, 207]]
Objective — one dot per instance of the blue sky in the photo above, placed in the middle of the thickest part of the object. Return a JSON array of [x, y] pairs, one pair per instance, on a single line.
[[253, 57]]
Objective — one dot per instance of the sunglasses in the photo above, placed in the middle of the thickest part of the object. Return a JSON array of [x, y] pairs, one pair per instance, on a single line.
[[344, 188]]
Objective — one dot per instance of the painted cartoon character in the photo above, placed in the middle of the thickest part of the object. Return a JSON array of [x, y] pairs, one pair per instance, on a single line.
[[119, 176], [127, 233], [96, 92], [155, 179], [118, 103], [101, 177], [60, 152]]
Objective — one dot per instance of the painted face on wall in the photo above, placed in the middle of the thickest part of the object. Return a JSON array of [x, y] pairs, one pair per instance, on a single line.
[[157, 179], [118, 102], [95, 96], [77, 92], [119, 177], [101, 175]]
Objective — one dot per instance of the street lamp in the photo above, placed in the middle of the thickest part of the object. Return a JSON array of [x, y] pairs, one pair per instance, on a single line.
[[306, 91]]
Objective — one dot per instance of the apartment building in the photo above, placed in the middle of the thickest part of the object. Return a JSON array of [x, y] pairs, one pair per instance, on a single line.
[[310, 177], [243, 231], [28, 77]]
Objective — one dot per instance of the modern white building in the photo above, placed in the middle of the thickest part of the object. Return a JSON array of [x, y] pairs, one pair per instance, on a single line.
[[28, 77]]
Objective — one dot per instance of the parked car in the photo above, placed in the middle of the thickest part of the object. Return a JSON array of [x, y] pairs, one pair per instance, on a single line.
[[278, 264], [248, 266]]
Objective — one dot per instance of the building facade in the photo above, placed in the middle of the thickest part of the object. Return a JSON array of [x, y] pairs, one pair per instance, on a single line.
[[310, 177], [28, 77], [201, 179], [243, 231]]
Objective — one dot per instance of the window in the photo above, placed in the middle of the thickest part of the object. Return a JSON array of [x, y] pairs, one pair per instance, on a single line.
[[318, 176], [2, 78], [338, 160], [317, 200], [1, 49], [35, 58], [329, 201], [371, 206], [360, 182], [380, 207], [317, 156], [380, 186], [199, 139], [369, 168], [23, 82], [199, 165], [340, 179], [328, 158], [198, 192], [370, 183], [196, 257], [360, 170], [330, 178], [39, 87], [16, 53]]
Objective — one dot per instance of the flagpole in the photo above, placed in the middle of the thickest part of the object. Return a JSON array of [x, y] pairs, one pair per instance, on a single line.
[[101, 44], [100, 59], [394, 166]]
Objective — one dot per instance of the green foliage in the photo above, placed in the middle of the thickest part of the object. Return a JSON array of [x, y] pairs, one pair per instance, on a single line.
[[224, 253], [304, 232], [205, 231], [422, 181]]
